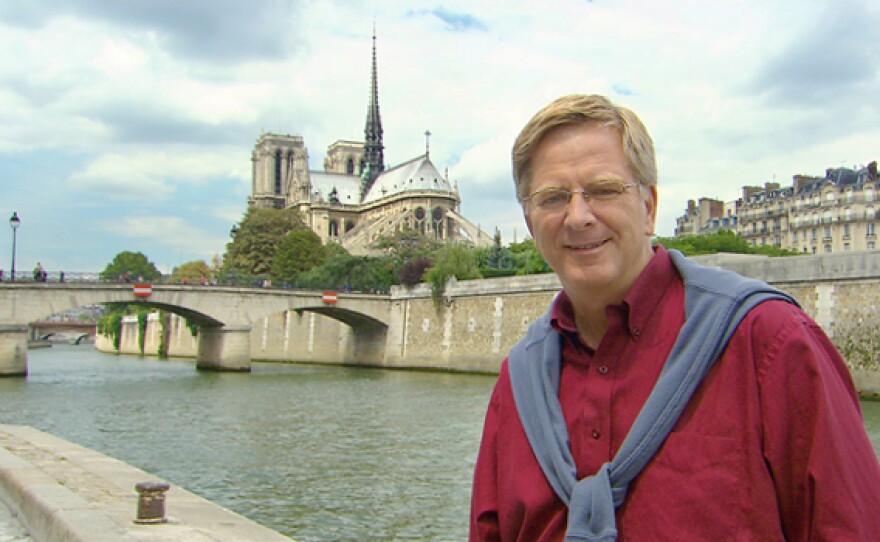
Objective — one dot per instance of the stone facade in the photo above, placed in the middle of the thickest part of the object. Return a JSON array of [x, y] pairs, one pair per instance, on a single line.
[[815, 215]]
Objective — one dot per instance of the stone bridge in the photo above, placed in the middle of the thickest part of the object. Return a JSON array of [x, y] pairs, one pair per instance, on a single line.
[[224, 315]]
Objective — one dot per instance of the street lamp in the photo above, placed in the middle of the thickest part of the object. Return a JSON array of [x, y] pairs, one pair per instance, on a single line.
[[14, 221]]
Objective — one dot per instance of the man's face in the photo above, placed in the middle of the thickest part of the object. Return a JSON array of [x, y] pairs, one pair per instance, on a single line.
[[597, 247]]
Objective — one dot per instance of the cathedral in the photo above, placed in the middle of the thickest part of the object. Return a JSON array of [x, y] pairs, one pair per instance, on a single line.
[[355, 200]]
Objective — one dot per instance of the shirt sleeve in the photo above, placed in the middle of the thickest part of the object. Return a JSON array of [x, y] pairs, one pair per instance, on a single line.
[[824, 467], [484, 525]]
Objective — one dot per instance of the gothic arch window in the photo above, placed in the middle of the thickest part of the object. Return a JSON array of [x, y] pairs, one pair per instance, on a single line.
[[333, 229], [437, 222], [278, 164]]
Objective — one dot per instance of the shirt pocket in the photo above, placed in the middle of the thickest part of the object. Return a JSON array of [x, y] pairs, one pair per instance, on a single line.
[[689, 491]]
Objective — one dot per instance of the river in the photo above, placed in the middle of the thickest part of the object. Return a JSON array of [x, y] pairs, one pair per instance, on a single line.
[[317, 453]]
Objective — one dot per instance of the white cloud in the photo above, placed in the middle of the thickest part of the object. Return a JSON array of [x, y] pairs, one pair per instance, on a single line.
[[153, 174], [164, 100]]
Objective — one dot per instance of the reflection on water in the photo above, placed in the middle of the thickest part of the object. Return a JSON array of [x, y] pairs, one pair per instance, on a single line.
[[317, 453]]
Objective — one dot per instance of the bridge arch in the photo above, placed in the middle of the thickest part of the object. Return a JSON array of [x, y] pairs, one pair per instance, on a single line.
[[225, 316]]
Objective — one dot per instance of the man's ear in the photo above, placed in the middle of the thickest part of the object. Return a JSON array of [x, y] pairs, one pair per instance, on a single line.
[[649, 197]]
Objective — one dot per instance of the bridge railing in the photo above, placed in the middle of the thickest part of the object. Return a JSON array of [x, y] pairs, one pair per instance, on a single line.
[[51, 276], [237, 280]]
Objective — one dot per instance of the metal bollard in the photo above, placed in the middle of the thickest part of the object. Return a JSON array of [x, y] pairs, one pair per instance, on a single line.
[[151, 502]]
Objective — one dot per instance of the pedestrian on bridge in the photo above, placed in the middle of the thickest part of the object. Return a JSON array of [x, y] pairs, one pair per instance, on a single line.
[[657, 399]]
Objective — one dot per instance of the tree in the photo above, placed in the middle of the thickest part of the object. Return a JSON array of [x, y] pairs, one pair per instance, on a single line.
[[256, 238], [495, 261], [133, 265], [527, 258], [191, 272], [358, 273], [405, 248], [299, 251], [720, 241], [451, 260]]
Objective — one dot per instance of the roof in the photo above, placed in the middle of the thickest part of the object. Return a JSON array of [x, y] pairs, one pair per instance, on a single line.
[[348, 187], [417, 174]]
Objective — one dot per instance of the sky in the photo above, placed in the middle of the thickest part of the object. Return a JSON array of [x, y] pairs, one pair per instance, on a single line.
[[128, 125]]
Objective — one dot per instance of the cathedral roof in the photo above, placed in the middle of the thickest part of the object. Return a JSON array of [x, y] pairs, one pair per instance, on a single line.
[[417, 174], [348, 187]]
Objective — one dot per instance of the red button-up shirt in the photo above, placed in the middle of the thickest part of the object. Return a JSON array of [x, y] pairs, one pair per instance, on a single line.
[[771, 446]]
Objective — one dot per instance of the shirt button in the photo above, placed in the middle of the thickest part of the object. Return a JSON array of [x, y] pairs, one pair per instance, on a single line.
[[636, 332], [603, 370], [596, 434]]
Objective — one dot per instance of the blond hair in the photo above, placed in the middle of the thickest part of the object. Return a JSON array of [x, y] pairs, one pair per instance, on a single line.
[[573, 109]]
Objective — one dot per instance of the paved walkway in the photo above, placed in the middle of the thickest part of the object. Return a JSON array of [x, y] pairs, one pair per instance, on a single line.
[[11, 530], [71, 493]]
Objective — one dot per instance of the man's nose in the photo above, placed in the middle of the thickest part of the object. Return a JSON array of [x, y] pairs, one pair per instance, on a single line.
[[579, 212]]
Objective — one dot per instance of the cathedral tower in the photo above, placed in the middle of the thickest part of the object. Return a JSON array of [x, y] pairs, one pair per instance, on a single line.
[[374, 160]]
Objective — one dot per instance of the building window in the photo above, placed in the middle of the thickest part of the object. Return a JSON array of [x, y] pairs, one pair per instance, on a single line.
[[869, 228], [846, 230], [869, 194], [333, 229], [870, 245], [815, 232], [278, 164], [830, 196], [349, 166], [845, 247], [827, 232], [827, 249]]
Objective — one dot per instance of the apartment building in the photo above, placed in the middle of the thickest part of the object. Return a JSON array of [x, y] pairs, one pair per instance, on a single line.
[[817, 215]]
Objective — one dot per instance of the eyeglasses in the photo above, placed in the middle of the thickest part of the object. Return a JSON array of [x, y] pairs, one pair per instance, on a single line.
[[556, 199]]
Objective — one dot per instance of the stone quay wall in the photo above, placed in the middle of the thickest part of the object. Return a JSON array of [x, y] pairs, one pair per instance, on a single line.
[[477, 321]]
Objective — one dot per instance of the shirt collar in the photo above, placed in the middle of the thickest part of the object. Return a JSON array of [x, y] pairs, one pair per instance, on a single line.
[[638, 305]]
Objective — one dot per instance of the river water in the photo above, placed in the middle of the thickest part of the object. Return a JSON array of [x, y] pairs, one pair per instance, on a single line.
[[317, 453]]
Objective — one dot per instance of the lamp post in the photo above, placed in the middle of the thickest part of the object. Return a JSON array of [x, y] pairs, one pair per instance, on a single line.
[[14, 221]]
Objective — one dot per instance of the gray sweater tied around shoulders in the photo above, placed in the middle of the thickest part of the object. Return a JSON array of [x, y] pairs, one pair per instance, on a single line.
[[715, 302]]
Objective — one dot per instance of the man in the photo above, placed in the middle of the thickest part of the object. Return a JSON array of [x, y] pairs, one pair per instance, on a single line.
[[768, 443]]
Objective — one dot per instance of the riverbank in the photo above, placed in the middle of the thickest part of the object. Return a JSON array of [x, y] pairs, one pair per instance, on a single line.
[[61, 491]]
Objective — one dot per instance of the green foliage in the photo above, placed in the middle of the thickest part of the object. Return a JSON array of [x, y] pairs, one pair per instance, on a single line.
[[356, 273], [132, 264], [142, 313], [191, 273], [404, 248], [110, 325], [256, 239], [720, 241], [528, 259], [451, 260], [334, 249], [299, 251]]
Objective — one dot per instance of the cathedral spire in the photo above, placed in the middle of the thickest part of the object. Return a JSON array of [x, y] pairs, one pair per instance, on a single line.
[[373, 147]]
